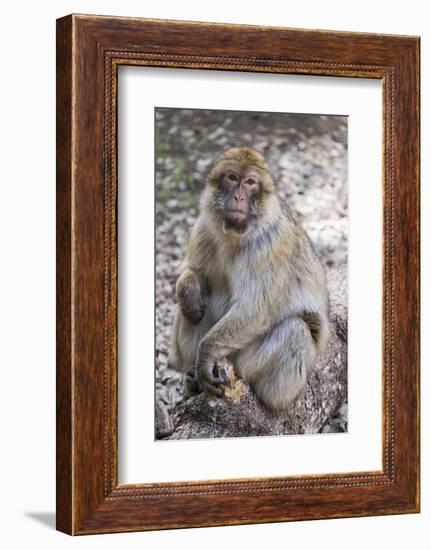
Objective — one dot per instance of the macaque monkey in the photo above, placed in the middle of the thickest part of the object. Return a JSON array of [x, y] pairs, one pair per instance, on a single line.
[[252, 289]]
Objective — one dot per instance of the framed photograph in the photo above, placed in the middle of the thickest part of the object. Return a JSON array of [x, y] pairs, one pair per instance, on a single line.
[[237, 274]]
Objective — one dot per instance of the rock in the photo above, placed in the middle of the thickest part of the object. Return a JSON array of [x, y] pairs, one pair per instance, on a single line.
[[240, 414], [164, 425]]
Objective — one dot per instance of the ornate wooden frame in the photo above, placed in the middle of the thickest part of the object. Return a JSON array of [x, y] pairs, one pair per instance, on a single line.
[[89, 51]]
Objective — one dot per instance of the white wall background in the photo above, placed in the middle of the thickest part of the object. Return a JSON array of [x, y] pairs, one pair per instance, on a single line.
[[27, 297]]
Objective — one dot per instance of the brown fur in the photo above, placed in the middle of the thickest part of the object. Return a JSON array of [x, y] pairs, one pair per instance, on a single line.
[[253, 292]]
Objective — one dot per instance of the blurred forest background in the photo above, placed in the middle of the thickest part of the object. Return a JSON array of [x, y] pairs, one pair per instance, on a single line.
[[308, 159]]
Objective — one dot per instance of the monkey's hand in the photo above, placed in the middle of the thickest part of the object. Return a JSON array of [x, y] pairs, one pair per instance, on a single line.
[[189, 296], [194, 312], [210, 377]]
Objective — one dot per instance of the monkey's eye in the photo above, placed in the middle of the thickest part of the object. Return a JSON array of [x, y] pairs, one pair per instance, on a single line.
[[250, 181], [232, 177]]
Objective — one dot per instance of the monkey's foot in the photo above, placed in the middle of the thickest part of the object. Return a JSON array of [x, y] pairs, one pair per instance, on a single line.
[[214, 379], [210, 379], [191, 386], [222, 370]]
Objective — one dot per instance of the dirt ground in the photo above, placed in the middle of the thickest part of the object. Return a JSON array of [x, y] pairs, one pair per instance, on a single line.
[[308, 158]]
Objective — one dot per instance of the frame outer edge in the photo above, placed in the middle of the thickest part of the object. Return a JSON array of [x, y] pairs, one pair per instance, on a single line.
[[407, 280], [80, 508], [64, 300]]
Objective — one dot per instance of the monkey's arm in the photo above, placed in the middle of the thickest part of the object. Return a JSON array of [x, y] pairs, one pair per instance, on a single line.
[[190, 296], [240, 326]]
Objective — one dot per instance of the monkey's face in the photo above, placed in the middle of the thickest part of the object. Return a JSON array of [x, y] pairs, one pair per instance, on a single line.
[[236, 197], [238, 186], [241, 190]]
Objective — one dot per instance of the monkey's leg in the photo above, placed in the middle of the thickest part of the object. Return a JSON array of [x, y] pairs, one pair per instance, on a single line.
[[185, 342], [174, 359], [190, 297], [276, 365]]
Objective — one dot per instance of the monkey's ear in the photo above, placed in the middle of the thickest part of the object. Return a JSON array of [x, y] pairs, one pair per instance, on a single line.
[[267, 183]]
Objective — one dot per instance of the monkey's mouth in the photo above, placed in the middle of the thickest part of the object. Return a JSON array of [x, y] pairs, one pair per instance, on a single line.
[[239, 215]]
